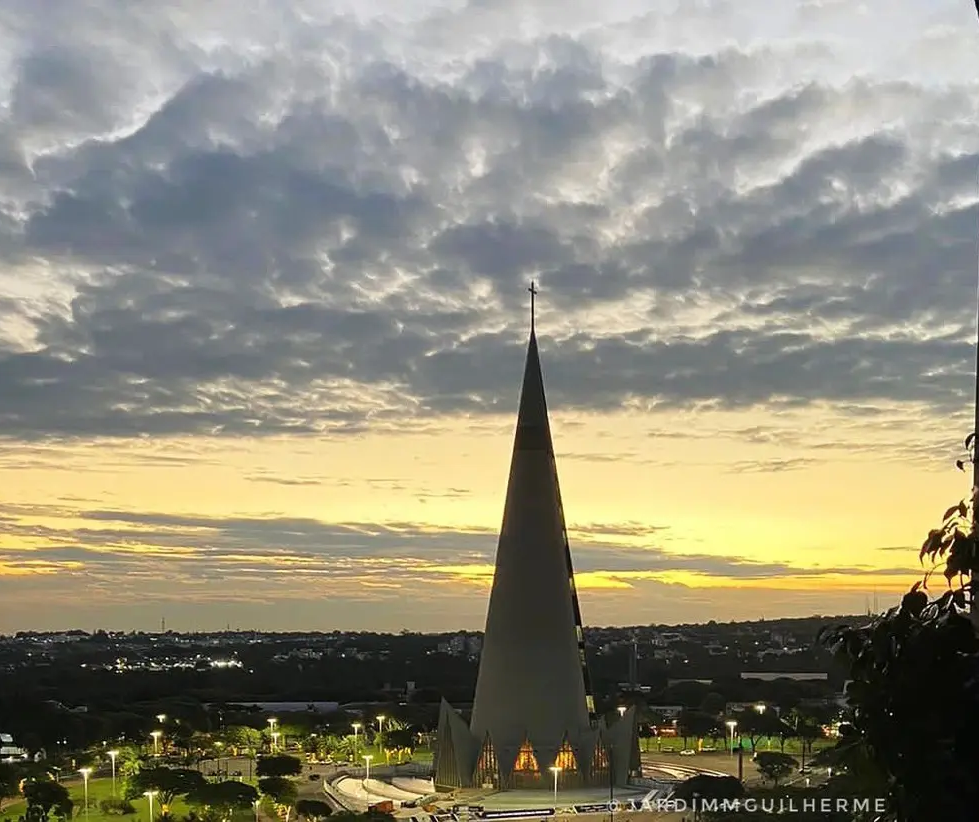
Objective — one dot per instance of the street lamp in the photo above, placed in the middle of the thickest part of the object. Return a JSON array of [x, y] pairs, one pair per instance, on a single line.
[[272, 720], [731, 725], [556, 770], [367, 775], [275, 740], [149, 798], [85, 772], [760, 707], [622, 709], [112, 756], [255, 805], [156, 742], [219, 746], [356, 727], [161, 718], [380, 725]]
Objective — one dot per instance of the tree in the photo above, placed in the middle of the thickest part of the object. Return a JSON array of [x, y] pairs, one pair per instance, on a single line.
[[242, 739], [913, 698], [756, 725], [278, 766], [696, 724], [169, 783], [46, 795], [281, 791], [313, 809], [223, 797], [9, 781], [775, 766]]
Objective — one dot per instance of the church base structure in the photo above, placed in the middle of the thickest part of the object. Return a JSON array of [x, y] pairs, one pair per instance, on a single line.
[[600, 755]]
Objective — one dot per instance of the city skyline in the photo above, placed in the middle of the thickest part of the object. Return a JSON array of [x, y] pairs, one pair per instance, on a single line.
[[263, 305]]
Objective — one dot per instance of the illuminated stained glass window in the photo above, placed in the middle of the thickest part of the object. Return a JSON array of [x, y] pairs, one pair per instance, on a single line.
[[486, 767], [526, 759], [566, 759], [590, 703], [599, 763]]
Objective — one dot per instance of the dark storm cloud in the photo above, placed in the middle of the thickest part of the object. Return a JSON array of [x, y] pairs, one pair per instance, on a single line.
[[306, 232]]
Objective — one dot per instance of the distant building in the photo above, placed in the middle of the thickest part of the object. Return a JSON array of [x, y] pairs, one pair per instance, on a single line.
[[9, 752]]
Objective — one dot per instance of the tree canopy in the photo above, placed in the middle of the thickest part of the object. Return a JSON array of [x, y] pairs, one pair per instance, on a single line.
[[913, 715], [169, 783], [46, 795], [226, 797], [775, 766]]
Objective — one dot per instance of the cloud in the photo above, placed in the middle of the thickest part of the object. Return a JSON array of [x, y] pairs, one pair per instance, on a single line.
[[325, 223], [109, 543]]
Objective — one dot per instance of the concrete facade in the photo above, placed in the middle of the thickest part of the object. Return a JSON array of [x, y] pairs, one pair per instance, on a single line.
[[533, 709]]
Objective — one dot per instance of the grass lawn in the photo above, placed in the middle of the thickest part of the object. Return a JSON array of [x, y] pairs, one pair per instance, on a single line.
[[99, 789]]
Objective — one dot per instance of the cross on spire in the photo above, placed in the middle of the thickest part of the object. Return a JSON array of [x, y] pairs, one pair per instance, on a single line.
[[533, 294]]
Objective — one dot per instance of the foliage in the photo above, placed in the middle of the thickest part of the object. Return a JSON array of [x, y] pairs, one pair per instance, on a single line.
[[242, 739], [313, 808], [914, 695], [225, 797], [169, 783], [9, 780], [280, 790], [775, 766], [696, 724], [278, 766], [46, 795], [755, 725], [116, 807]]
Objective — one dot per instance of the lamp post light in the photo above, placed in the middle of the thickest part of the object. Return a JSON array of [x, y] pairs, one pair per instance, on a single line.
[[731, 725], [218, 746], [161, 718], [255, 805], [622, 709], [85, 772], [356, 727], [156, 742], [556, 770], [149, 798], [367, 774], [275, 740], [380, 729], [112, 756]]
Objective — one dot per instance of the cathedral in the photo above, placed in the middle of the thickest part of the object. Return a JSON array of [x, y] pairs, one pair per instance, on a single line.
[[533, 714]]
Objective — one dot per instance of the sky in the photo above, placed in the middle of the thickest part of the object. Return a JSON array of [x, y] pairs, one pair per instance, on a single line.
[[263, 309]]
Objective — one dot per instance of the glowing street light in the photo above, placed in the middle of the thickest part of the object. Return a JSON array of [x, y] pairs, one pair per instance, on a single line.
[[356, 726], [760, 707], [275, 740], [85, 772], [380, 724], [161, 718], [255, 804], [156, 742], [112, 756], [556, 770], [622, 709], [149, 798], [731, 725], [367, 775]]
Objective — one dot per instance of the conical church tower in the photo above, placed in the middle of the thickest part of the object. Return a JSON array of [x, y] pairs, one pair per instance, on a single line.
[[533, 709]]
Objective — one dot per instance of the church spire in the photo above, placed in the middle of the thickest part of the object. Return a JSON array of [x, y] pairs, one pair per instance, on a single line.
[[533, 294]]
